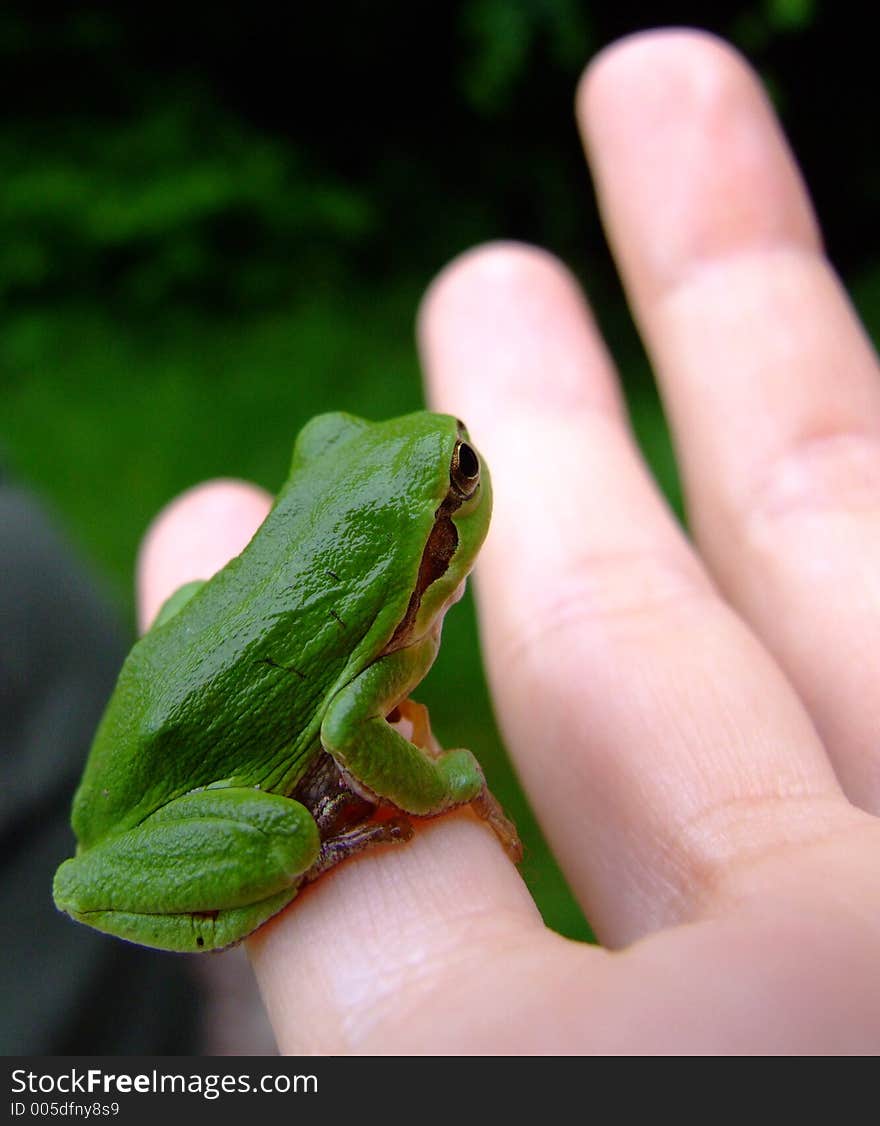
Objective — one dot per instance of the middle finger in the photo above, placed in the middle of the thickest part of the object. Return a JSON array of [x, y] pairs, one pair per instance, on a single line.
[[657, 739]]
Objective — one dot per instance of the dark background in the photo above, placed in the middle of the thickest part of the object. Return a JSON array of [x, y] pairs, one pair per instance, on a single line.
[[215, 222]]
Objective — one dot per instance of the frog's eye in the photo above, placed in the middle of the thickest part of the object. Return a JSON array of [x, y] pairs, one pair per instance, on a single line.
[[465, 469]]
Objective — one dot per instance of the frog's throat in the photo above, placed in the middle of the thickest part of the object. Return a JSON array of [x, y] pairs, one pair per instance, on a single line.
[[436, 557]]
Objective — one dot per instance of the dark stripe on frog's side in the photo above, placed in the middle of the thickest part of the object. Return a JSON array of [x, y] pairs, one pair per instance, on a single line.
[[435, 561]]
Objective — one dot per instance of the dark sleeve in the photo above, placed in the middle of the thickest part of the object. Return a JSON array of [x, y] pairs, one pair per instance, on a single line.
[[65, 988]]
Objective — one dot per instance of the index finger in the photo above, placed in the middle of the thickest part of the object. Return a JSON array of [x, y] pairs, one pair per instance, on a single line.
[[660, 744]]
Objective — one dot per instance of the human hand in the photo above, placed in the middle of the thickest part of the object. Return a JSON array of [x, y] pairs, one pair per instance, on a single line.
[[698, 728]]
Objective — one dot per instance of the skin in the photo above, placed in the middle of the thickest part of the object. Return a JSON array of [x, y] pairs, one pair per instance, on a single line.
[[697, 723]]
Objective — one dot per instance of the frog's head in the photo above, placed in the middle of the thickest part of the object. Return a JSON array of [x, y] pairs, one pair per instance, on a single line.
[[460, 523], [408, 499]]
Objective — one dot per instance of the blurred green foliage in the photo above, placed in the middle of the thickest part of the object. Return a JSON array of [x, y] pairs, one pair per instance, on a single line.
[[216, 222]]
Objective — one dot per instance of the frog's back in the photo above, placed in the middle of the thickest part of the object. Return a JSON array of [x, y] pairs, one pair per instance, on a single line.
[[233, 687]]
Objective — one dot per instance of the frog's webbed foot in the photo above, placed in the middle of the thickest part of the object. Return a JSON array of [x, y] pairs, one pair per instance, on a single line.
[[326, 793], [344, 816], [348, 843]]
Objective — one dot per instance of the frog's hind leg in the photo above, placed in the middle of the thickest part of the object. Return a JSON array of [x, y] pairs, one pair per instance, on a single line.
[[195, 932], [346, 820], [328, 796], [352, 841], [200, 873]]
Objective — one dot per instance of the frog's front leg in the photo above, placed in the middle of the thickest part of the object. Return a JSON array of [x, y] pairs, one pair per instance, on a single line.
[[200, 873], [485, 804], [356, 733]]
